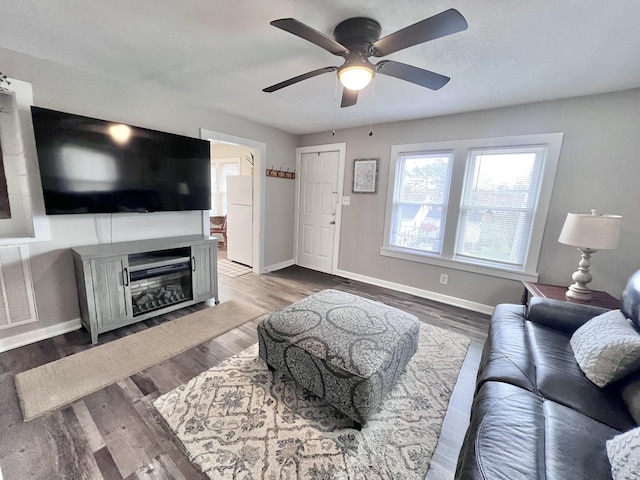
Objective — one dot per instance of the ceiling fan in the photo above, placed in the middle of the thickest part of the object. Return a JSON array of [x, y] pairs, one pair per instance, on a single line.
[[357, 39]]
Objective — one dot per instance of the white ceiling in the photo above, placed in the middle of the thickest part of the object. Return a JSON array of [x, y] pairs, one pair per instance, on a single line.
[[223, 52]]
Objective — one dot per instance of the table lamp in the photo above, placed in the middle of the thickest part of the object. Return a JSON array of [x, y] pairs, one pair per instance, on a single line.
[[589, 232]]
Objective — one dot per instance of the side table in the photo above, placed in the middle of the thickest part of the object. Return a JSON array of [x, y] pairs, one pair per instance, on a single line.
[[556, 292]]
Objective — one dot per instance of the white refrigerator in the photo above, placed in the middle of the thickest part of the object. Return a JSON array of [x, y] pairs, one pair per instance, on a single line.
[[240, 219]]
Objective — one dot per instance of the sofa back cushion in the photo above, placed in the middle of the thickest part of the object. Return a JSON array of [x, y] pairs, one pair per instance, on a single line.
[[630, 301]]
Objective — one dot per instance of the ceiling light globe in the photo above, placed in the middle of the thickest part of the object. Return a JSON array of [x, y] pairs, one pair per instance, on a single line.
[[355, 78]]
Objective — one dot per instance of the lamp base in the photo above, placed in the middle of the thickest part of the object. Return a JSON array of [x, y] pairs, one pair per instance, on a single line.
[[579, 292], [579, 289]]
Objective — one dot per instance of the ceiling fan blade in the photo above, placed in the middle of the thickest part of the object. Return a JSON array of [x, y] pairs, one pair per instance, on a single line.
[[299, 78], [349, 97], [409, 73], [301, 30], [440, 25]]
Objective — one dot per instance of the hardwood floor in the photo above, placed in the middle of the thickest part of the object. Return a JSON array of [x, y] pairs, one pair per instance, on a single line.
[[116, 433]]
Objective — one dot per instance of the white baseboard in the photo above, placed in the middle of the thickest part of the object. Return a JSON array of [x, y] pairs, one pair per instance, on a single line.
[[279, 266], [418, 292], [41, 334], [71, 325]]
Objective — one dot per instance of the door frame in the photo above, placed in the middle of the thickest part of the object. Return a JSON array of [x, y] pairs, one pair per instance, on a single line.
[[258, 192], [341, 148]]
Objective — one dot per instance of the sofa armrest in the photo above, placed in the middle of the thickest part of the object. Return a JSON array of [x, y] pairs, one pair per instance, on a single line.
[[561, 315]]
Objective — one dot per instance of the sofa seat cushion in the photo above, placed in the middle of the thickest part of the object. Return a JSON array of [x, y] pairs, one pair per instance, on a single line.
[[515, 433], [539, 359]]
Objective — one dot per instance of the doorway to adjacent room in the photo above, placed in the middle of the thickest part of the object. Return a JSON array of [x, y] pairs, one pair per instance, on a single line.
[[234, 156]]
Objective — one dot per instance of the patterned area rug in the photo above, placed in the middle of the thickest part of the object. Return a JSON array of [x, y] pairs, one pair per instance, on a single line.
[[232, 269], [240, 421]]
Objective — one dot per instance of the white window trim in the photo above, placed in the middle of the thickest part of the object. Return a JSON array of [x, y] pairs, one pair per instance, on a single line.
[[460, 152]]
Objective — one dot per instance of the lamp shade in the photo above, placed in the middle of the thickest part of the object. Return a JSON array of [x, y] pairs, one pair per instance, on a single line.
[[591, 230]]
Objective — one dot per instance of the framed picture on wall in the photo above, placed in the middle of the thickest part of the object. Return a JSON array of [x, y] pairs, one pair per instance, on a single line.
[[365, 175]]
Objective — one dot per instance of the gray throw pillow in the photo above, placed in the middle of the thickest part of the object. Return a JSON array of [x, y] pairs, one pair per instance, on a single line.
[[607, 348], [624, 455]]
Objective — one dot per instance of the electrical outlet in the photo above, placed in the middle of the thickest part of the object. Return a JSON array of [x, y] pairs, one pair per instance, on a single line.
[[444, 278], [346, 200]]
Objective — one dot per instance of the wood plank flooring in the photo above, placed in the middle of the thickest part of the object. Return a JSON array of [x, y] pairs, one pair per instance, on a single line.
[[116, 433]]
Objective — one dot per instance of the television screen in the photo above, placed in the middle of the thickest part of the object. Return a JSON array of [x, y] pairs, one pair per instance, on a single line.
[[94, 166]]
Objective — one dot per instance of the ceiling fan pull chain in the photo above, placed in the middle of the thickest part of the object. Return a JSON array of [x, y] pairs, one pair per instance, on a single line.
[[335, 100], [373, 101]]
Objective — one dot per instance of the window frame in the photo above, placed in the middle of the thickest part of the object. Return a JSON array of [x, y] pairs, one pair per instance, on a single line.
[[461, 148]]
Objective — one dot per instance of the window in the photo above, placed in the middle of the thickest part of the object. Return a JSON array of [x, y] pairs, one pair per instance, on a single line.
[[420, 201], [476, 205], [219, 171], [499, 199]]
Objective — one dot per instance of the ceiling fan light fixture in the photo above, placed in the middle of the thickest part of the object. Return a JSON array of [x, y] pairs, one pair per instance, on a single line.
[[355, 77], [357, 39]]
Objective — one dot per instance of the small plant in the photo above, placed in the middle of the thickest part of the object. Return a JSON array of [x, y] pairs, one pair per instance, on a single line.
[[249, 158], [4, 83]]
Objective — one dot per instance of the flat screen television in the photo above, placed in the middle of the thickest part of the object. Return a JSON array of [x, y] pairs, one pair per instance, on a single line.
[[95, 166]]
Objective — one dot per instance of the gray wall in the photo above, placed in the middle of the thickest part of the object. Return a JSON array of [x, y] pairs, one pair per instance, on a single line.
[[75, 91], [599, 168]]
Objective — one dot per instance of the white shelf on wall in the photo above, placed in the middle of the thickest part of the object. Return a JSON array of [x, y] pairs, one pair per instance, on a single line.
[[28, 222]]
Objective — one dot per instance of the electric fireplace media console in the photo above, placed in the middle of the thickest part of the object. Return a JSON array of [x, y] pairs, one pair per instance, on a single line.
[[126, 282]]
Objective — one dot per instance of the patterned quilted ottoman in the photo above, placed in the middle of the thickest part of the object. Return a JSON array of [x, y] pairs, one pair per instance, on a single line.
[[341, 347]]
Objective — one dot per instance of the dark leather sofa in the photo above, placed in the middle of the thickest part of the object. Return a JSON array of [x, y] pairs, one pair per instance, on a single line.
[[535, 414]]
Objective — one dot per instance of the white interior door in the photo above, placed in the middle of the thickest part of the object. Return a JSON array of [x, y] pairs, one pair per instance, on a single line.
[[317, 206]]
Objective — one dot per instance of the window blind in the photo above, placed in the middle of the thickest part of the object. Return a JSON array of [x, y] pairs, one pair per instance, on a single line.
[[420, 200], [499, 199]]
